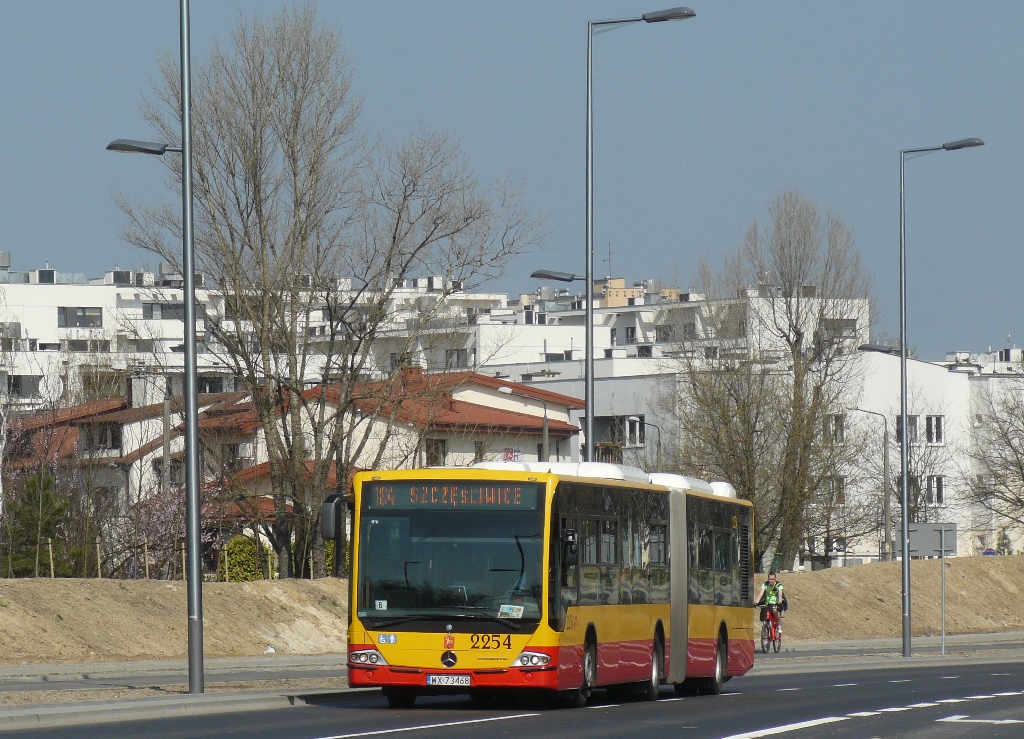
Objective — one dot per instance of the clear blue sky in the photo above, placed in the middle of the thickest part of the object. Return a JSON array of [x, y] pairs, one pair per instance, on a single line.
[[698, 125]]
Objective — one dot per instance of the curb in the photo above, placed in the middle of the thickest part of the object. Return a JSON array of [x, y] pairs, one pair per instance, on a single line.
[[100, 712]]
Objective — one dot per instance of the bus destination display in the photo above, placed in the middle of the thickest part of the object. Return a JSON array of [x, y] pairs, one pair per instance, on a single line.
[[452, 495]]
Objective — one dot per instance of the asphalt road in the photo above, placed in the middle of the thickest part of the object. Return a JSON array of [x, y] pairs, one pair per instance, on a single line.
[[933, 698]]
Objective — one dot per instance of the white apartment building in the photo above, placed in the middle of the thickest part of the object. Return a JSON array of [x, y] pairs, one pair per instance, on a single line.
[[64, 333]]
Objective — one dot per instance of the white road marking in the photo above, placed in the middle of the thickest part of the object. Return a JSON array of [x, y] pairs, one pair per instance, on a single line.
[[952, 700], [608, 705], [923, 705], [862, 714], [788, 727], [962, 719], [431, 726], [845, 685], [787, 690], [1011, 692], [949, 677], [894, 710], [899, 681]]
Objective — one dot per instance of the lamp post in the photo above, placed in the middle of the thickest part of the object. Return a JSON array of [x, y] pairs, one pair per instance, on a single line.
[[192, 533], [546, 457], [657, 449], [672, 14], [885, 554], [905, 525]]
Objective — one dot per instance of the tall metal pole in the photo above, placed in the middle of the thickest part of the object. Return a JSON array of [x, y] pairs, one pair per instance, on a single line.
[[192, 537], [588, 360], [672, 14], [904, 436]]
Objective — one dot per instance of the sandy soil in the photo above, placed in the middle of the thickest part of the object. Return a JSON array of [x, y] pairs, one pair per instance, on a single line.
[[71, 621], [58, 621], [983, 594]]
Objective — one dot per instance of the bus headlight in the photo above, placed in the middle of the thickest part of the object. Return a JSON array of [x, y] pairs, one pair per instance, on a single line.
[[367, 657], [532, 659]]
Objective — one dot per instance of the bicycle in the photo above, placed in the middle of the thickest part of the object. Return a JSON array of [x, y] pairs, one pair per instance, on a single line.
[[771, 633]]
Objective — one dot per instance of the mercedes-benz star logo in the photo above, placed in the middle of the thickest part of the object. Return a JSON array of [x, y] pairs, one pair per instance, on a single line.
[[448, 659]]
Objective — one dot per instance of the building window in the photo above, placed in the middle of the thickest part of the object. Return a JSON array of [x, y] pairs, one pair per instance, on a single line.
[[456, 358], [614, 336], [23, 386], [102, 437], [437, 451], [163, 311], [935, 493], [835, 428], [79, 317], [711, 352], [478, 451], [645, 352], [211, 384], [630, 334], [837, 490], [662, 333], [933, 429], [911, 429]]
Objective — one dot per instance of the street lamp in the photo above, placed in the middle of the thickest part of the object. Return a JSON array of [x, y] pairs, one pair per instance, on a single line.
[[657, 453], [885, 554], [905, 526], [192, 532], [672, 14], [545, 457]]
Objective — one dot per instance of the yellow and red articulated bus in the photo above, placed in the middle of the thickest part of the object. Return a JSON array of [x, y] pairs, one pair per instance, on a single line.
[[557, 577]]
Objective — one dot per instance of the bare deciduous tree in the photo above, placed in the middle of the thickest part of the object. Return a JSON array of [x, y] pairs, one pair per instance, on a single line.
[[307, 228], [764, 351]]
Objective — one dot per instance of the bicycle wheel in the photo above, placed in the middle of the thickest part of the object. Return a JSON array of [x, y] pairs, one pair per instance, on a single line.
[[777, 644], [766, 636]]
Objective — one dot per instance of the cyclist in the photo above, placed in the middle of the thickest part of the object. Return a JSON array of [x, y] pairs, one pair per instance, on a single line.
[[772, 595]]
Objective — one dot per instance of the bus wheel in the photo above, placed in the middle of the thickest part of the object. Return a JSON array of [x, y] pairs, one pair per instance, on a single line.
[[400, 699], [653, 686], [579, 697], [713, 685]]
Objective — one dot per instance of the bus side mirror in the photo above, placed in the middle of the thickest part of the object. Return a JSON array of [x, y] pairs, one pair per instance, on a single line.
[[330, 516], [569, 547]]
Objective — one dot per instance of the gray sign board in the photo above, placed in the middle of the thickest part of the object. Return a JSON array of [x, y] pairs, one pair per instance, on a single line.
[[928, 540]]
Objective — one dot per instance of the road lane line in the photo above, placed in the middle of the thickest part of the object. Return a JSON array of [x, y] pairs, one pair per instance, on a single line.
[[862, 714], [923, 705], [845, 685], [381, 732], [964, 719], [788, 727]]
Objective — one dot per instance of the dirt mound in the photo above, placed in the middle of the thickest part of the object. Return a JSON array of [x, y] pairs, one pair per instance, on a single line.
[[52, 621], [64, 620], [983, 594]]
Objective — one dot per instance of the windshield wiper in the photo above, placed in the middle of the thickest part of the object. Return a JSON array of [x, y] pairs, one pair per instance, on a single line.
[[405, 619], [488, 617], [442, 616]]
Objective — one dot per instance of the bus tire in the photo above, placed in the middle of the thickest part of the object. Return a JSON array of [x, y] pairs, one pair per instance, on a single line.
[[713, 685], [653, 685], [400, 698], [578, 698]]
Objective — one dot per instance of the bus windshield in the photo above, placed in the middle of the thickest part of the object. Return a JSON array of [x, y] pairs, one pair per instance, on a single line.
[[450, 550]]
